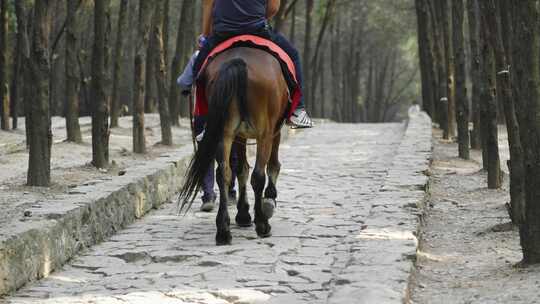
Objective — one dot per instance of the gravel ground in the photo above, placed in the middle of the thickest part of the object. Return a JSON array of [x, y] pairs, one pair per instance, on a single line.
[[468, 250]]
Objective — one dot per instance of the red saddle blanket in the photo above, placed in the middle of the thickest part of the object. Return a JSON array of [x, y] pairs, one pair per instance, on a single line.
[[201, 101]]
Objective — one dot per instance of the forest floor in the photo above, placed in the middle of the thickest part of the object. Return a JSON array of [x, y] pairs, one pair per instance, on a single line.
[[468, 251], [70, 162]]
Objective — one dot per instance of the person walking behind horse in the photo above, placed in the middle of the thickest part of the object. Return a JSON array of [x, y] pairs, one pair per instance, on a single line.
[[223, 19]]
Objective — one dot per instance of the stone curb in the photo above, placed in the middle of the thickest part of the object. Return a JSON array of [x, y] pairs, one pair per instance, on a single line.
[[383, 253], [89, 214], [60, 228]]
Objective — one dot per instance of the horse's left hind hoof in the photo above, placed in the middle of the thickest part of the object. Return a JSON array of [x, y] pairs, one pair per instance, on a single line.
[[223, 238], [268, 206]]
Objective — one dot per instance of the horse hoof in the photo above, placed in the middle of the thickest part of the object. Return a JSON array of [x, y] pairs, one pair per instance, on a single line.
[[268, 206], [264, 230], [243, 220], [223, 239]]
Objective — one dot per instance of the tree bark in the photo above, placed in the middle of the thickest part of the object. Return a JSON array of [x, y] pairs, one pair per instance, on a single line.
[[4, 92], [445, 12], [100, 113], [526, 75], [73, 128], [176, 66], [488, 117], [425, 57], [472, 14], [462, 103], [145, 18], [161, 74], [22, 48], [307, 51], [517, 171], [440, 67], [118, 59], [38, 116]]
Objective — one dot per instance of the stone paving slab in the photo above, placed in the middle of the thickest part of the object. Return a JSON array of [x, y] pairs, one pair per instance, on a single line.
[[58, 229], [343, 233]]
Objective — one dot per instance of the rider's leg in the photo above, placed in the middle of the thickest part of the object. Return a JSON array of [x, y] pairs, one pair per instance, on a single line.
[[209, 196], [300, 117]]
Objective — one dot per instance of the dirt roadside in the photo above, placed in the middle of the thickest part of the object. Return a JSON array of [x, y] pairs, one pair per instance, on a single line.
[[468, 251], [70, 163]]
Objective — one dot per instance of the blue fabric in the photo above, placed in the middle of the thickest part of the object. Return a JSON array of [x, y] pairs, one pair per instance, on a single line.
[[239, 16]]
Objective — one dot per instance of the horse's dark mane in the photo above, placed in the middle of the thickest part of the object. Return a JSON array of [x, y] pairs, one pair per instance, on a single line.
[[230, 83]]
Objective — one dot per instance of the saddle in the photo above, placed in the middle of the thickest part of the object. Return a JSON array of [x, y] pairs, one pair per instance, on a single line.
[[287, 66]]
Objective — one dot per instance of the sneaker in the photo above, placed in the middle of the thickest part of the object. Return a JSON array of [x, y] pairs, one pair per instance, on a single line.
[[300, 119], [208, 204]]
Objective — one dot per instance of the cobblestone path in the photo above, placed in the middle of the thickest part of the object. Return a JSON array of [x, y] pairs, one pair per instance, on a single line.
[[329, 178]]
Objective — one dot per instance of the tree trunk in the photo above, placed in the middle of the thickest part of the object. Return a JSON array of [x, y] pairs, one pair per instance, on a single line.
[[176, 66], [17, 81], [145, 18], [4, 92], [100, 113], [488, 117], [279, 19], [517, 171], [307, 51], [425, 56], [161, 74], [445, 12], [462, 103], [472, 14], [149, 91], [118, 58], [440, 67], [38, 118], [292, 33], [526, 75], [72, 80]]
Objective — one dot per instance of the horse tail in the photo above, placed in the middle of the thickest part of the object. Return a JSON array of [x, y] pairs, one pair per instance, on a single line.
[[230, 83]]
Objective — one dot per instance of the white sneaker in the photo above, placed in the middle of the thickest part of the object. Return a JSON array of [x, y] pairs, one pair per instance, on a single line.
[[301, 119]]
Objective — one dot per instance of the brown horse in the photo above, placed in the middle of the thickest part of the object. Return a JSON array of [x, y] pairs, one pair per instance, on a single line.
[[248, 98]]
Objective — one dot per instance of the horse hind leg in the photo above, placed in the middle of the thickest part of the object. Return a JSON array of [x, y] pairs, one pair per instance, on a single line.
[[274, 166], [243, 218], [258, 181], [223, 177]]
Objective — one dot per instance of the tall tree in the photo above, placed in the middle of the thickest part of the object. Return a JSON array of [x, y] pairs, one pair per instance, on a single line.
[[22, 48], [494, 21], [37, 99], [118, 59], [161, 73], [425, 57], [472, 14], [526, 73], [145, 18], [440, 66], [462, 103], [488, 108], [445, 10], [176, 66], [100, 113], [307, 50], [72, 80], [4, 94]]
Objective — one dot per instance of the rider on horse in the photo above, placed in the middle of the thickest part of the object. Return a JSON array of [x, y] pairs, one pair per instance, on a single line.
[[223, 19]]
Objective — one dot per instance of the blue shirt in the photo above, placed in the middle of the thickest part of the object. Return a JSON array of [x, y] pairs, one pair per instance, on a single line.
[[239, 16]]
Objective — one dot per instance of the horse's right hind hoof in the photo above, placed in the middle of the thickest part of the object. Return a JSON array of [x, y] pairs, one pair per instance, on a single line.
[[268, 206], [243, 220]]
